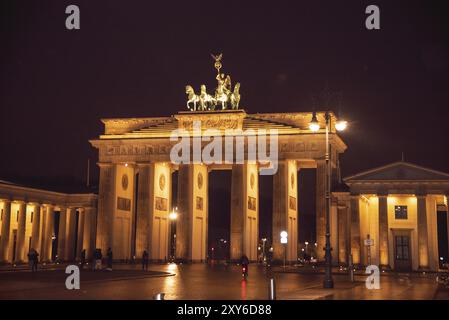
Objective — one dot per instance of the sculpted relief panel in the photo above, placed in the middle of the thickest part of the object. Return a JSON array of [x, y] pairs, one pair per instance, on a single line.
[[288, 147]]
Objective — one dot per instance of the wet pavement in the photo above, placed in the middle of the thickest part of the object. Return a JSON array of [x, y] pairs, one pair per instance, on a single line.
[[205, 282]]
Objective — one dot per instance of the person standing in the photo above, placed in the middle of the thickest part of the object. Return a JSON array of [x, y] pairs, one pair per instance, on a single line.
[[97, 259], [35, 260], [145, 260], [109, 259], [32, 259], [83, 258]]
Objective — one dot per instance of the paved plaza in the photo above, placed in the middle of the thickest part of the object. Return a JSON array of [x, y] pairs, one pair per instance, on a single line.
[[206, 282]]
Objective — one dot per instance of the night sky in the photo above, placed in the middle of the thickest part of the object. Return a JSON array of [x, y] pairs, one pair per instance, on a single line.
[[134, 58]]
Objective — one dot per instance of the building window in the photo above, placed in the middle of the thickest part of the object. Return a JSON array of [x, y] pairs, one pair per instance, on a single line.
[[17, 216], [1, 215], [400, 212], [31, 218]]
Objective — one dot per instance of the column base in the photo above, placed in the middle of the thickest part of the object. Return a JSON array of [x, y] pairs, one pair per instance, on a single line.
[[385, 267], [423, 269]]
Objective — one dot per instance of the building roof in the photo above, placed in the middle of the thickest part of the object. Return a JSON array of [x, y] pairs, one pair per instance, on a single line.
[[80, 197], [399, 171], [399, 178]]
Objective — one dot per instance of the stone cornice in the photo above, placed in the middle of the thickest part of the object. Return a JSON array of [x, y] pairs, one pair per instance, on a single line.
[[45, 197]]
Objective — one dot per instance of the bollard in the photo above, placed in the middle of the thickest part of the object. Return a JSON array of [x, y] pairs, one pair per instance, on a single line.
[[272, 290], [351, 269], [159, 296]]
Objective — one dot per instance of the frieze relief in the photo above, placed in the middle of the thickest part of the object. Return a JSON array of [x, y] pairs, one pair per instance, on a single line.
[[292, 147], [219, 124]]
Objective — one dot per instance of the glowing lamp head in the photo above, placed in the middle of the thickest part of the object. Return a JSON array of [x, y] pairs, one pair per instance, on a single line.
[[173, 216], [314, 125], [341, 125], [284, 234]]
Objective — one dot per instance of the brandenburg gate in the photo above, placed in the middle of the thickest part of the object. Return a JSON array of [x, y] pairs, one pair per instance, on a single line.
[[137, 157]]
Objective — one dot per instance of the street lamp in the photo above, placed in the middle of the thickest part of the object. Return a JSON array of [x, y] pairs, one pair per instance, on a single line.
[[314, 125], [264, 258], [339, 126], [173, 216], [284, 239]]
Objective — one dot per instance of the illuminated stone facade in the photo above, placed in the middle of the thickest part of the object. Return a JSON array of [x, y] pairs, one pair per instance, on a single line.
[[396, 206], [133, 217], [58, 225]]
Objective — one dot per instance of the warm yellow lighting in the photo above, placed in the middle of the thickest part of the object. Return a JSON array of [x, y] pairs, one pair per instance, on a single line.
[[341, 125], [314, 125], [173, 215]]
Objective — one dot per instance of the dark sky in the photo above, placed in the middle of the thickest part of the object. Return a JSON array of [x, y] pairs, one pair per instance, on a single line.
[[133, 59]]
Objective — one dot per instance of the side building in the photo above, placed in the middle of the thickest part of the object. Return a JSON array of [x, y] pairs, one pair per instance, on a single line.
[[390, 218], [58, 225]]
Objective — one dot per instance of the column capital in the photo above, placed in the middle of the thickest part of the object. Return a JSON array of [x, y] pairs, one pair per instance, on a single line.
[[105, 164], [5, 200], [382, 195], [354, 196], [143, 164], [130, 164], [34, 203], [420, 196]]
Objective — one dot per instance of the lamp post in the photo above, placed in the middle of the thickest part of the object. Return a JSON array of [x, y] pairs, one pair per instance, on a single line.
[[264, 258], [315, 126], [173, 216], [284, 239]]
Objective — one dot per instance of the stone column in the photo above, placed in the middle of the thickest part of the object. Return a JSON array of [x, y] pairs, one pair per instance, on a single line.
[[185, 204], [106, 207], [21, 226], [80, 237], [89, 231], [383, 232], [62, 234], [191, 226], [48, 233], [35, 231], [285, 214], [423, 245], [447, 217], [355, 230], [342, 216], [320, 208], [143, 233], [70, 234], [244, 211], [40, 248], [6, 223], [237, 207], [160, 206]]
